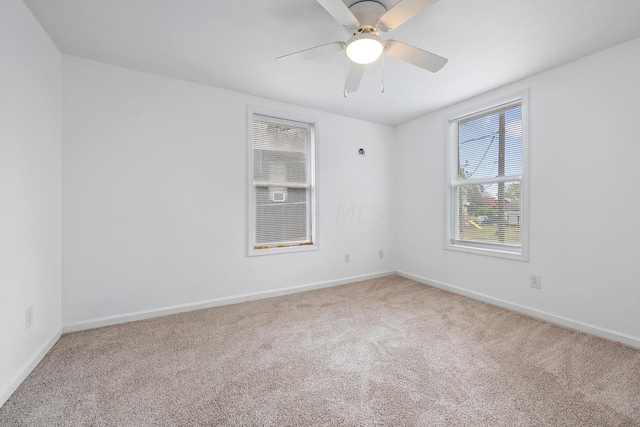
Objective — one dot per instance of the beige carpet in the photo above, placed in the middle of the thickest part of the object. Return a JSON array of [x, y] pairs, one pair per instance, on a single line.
[[388, 352]]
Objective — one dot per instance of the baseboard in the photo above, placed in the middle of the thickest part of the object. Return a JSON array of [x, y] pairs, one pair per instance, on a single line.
[[141, 315], [597, 331], [33, 361], [28, 366]]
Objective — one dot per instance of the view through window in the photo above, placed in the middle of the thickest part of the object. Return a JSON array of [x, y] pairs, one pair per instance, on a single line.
[[282, 183], [486, 183]]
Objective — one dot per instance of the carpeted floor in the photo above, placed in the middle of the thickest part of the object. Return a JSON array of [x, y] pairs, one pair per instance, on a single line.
[[387, 351]]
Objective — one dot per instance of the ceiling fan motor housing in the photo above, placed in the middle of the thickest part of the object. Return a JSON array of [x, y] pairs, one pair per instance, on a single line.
[[368, 14]]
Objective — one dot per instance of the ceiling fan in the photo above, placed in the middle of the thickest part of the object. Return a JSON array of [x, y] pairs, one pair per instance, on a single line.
[[365, 20]]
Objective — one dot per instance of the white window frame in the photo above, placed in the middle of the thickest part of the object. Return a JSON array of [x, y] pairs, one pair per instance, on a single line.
[[313, 183], [451, 211]]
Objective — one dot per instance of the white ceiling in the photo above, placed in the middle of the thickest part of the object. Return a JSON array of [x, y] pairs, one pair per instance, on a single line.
[[233, 44]]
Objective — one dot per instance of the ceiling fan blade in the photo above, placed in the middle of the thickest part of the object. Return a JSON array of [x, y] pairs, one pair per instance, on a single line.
[[340, 12], [354, 76], [413, 55], [402, 12], [312, 52]]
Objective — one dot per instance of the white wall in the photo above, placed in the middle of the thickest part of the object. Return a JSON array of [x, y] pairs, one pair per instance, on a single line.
[[155, 196], [584, 229], [30, 180]]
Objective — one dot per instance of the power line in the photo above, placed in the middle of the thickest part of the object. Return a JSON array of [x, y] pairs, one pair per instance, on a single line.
[[491, 135], [483, 156]]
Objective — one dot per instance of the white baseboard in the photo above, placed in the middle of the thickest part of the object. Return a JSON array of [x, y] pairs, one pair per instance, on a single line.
[[597, 331], [28, 366], [141, 315], [33, 361]]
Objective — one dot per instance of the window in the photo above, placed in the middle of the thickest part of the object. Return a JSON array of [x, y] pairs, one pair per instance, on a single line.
[[282, 183], [487, 191]]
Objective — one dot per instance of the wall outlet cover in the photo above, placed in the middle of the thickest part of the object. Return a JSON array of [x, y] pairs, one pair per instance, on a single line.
[[28, 318], [535, 281]]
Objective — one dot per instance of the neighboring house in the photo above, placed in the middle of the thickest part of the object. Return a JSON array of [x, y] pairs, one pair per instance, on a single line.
[[512, 212]]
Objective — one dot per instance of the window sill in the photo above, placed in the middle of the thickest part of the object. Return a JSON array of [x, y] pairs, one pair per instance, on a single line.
[[283, 250], [487, 250]]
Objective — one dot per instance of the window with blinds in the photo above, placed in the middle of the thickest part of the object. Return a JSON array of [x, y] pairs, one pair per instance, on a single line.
[[282, 180], [486, 204]]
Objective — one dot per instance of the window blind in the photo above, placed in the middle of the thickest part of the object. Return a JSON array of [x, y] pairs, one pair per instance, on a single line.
[[489, 176], [282, 191]]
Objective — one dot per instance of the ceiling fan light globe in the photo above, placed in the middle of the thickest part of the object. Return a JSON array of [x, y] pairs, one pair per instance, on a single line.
[[364, 48]]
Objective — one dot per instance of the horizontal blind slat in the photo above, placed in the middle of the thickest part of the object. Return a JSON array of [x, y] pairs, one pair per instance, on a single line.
[[281, 181]]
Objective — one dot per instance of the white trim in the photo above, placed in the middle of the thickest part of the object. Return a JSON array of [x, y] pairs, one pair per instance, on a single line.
[[279, 184], [282, 250], [28, 366], [597, 331], [313, 182], [505, 179], [478, 248], [469, 109], [148, 314], [502, 103], [33, 361]]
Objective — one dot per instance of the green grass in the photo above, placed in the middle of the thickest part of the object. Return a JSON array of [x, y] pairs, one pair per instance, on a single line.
[[489, 233]]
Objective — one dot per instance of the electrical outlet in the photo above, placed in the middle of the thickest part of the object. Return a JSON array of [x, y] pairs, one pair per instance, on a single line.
[[381, 253], [535, 281], [347, 258], [28, 318]]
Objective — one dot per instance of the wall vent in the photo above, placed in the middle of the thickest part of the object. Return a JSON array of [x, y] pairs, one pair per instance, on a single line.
[[279, 196]]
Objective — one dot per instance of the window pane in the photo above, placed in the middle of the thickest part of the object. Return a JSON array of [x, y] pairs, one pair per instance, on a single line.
[[280, 152], [489, 213], [487, 170], [282, 185], [479, 140], [281, 215]]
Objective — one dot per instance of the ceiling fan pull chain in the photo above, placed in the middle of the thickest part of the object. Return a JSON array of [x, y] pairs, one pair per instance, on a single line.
[[345, 75], [382, 85]]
